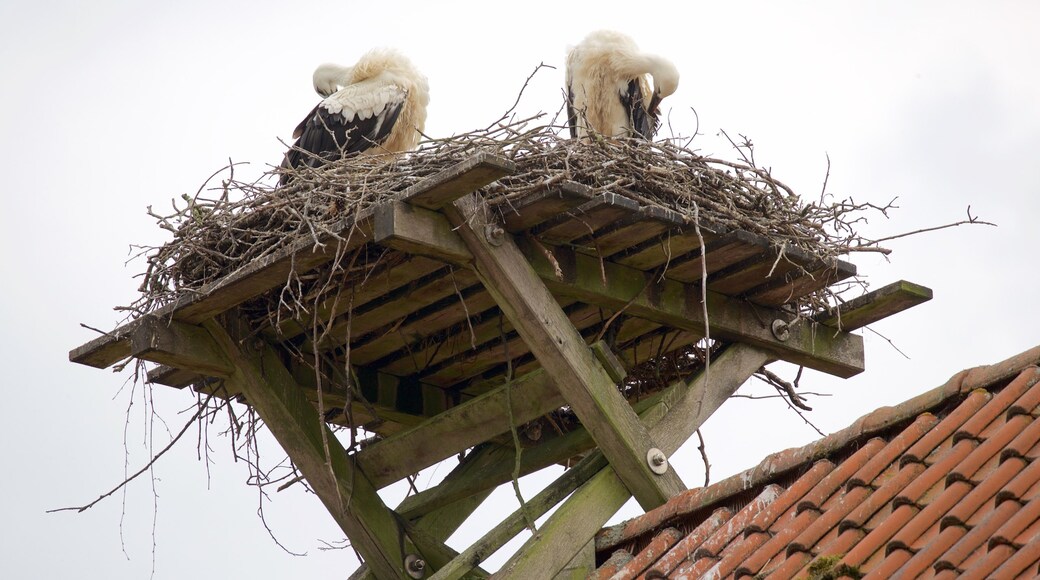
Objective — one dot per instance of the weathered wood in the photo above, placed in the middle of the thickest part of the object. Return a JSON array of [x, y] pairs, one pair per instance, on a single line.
[[459, 428], [605, 209], [584, 513], [560, 348], [801, 282], [645, 224], [609, 360], [679, 305], [447, 185], [396, 229], [513, 524], [719, 253], [613, 286], [314, 449], [173, 377], [876, 305], [180, 345], [268, 272], [538, 208]]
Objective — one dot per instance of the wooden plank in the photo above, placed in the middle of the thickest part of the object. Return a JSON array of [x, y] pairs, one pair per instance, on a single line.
[[459, 428], [801, 282], [584, 513], [563, 353], [645, 224], [351, 500], [177, 344], [539, 207], [394, 228], [447, 185], [660, 251], [720, 253], [876, 305], [410, 335], [605, 209], [760, 270], [669, 302], [268, 272], [173, 377]]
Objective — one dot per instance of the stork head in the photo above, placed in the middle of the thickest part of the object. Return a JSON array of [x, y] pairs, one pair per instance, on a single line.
[[666, 79], [329, 78]]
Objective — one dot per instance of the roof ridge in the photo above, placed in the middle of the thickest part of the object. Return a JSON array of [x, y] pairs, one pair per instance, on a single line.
[[781, 462]]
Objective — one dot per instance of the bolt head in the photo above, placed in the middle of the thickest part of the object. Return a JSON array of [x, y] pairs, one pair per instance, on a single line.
[[657, 461], [781, 330]]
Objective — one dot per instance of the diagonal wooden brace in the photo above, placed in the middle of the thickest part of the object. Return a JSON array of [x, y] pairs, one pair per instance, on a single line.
[[562, 352]]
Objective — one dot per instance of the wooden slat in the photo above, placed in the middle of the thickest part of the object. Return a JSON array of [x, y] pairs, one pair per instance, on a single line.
[[612, 286], [605, 209], [760, 270], [271, 271], [180, 345], [876, 305], [539, 207], [646, 224], [801, 282], [563, 353], [719, 253], [446, 186]]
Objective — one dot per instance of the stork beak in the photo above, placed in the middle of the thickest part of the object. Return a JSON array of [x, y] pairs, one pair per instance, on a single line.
[[655, 102]]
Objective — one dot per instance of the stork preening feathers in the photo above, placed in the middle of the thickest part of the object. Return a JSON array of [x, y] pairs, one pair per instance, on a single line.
[[376, 106], [608, 92]]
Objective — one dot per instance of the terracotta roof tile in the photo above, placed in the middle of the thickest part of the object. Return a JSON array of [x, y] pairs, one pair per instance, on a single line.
[[618, 559], [943, 484]]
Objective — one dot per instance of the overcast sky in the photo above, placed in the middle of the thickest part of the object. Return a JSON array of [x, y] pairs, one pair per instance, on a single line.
[[109, 107]]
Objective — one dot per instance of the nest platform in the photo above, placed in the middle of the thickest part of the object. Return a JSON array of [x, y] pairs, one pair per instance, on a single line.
[[451, 320]]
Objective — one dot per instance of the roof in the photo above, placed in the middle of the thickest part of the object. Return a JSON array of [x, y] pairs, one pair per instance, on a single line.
[[943, 484]]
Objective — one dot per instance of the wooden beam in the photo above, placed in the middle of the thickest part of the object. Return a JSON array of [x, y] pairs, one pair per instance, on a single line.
[[271, 271], [353, 502], [580, 517], [542, 206], [459, 428], [396, 228], [876, 305], [676, 304], [447, 185], [179, 345], [562, 351]]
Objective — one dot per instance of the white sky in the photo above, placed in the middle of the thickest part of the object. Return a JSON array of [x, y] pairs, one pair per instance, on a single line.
[[109, 107]]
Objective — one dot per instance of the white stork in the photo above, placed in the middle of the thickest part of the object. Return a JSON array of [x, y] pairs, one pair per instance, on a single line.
[[376, 106], [607, 87]]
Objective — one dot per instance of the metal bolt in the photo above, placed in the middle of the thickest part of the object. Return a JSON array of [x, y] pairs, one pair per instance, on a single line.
[[494, 234], [415, 566], [781, 330], [657, 461]]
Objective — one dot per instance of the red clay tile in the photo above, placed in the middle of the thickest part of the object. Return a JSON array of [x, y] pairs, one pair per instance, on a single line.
[[893, 450], [928, 487], [877, 500], [985, 491], [682, 550], [889, 566], [618, 559], [875, 541], [947, 427], [1023, 562], [658, 547], [990, 561], [975, 540]]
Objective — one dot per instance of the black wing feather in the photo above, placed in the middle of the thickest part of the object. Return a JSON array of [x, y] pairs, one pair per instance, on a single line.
[[324, 136], [643, 123]]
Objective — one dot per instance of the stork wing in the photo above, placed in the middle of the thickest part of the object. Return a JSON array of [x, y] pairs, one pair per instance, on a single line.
[[351, 120], [642, 122]]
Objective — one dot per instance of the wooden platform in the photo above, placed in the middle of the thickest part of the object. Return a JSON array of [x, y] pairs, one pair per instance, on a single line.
[[435, 324]]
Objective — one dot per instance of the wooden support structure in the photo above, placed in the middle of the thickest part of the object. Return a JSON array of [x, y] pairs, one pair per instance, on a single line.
[[489, 320]]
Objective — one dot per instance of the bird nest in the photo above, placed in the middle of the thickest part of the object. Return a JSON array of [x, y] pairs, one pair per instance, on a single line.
[[214, 236]]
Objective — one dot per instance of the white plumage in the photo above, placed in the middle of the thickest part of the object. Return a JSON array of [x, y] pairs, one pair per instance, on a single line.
[[607, 87], [376, 106]]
